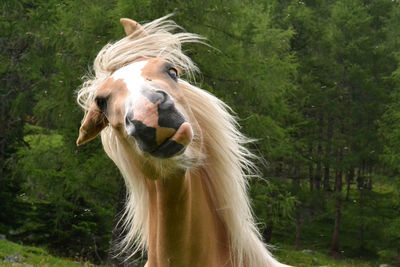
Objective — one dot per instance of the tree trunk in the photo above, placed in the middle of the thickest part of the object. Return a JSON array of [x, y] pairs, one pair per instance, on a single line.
[[338, 190], [311, 167], [336, 230], [349, 180], [327, 177], [296, 176], [360, 177], [329, 135], [318, 171], [362, 225], [267, 233], [369, 182], [298, 228], [339, 171], [398, 257]]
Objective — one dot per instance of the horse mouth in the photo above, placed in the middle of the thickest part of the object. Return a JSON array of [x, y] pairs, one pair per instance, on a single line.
[[176, 144]]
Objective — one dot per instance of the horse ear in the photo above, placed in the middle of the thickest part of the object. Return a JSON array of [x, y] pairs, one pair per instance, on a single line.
[[94, 122], [132, 28]]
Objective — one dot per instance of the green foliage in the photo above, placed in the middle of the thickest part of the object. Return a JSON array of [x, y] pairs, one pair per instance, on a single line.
[[59, 210], [316, 83], [272, 205]]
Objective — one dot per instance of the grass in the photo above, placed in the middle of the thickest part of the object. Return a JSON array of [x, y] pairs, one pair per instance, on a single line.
[[33, 256], [28, 256], [299, 259]]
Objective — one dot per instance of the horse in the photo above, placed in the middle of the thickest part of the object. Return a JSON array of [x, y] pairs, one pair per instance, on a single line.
[[179, 150]]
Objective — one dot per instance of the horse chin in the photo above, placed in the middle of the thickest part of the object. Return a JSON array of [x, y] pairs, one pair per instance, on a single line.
[[168, 149]]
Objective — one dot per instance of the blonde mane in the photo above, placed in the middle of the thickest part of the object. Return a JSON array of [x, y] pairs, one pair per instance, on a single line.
[[226, 160]]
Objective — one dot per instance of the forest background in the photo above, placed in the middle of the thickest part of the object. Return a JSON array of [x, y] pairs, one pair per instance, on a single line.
[[316, 82]]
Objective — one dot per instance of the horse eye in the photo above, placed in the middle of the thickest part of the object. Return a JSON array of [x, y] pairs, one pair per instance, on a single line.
[[173, 73], [101, 103]]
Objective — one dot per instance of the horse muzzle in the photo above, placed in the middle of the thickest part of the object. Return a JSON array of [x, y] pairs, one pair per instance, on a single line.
[[157, 126]]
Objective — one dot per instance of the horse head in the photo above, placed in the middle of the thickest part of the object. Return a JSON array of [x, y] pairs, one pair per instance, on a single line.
[[142, 101]]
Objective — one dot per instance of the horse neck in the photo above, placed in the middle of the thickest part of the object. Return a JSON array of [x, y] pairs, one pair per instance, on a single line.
[[185, 228]]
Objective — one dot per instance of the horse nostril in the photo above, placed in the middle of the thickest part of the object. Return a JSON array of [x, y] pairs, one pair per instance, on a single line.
[[163, 96], [156, 96]]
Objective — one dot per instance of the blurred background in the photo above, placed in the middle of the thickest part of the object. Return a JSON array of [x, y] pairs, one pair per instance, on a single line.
[[316, 82]]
